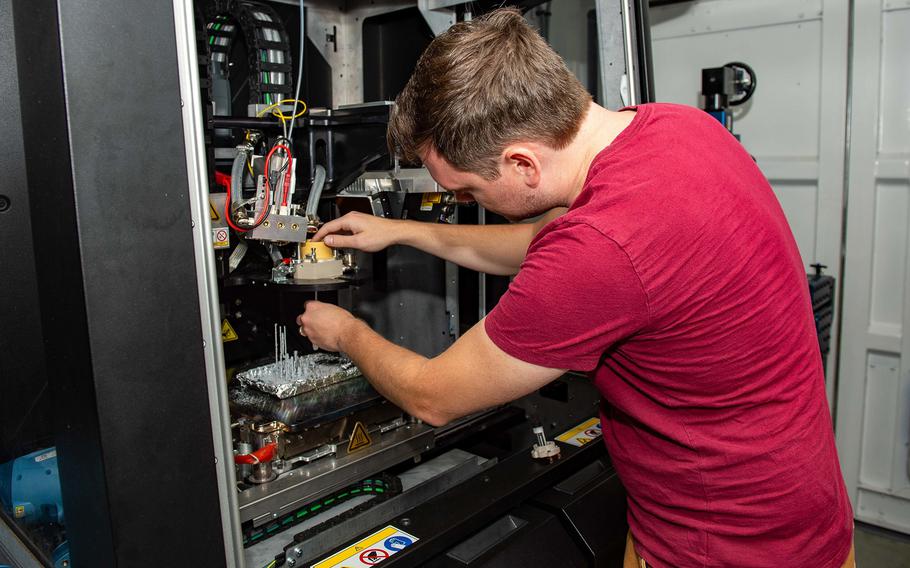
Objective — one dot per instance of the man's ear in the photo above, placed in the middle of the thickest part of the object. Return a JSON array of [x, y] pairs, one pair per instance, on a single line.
[[522, 163]]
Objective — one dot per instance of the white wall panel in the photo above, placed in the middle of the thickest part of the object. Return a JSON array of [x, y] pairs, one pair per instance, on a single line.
[[882, 510], [880, 409], [889, 257], [895, 77], [873, 437]]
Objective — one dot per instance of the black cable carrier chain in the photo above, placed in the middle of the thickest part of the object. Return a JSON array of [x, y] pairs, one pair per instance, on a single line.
[[204, 60], [242, 16], [381, 488]]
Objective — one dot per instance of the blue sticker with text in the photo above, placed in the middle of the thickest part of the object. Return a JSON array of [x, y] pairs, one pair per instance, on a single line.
[[398, 542]]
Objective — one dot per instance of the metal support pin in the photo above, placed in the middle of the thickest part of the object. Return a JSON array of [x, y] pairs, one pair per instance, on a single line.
[[544, 450], [541, 439]]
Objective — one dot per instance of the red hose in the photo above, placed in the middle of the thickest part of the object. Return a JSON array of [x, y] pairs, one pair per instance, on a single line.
[[287, 180], [264, 454], [224, 180]]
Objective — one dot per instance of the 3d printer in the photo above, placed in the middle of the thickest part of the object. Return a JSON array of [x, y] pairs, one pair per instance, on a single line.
[[258, 450]]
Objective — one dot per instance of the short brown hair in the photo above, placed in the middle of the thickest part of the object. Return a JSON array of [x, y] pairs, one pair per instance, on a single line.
[[482, 85]]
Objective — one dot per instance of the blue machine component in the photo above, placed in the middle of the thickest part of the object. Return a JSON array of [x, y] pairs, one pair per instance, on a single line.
[[62, 556], [30, 488], [720, 115]]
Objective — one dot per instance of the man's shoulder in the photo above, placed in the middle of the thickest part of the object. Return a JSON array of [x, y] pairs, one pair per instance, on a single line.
[[575, 226], [674, 109]]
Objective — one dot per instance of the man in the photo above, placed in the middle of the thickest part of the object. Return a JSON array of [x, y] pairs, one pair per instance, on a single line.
[[673, 278]]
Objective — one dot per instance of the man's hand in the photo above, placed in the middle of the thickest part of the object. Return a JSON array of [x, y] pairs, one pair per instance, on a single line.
[[324, 324], [367, 233]]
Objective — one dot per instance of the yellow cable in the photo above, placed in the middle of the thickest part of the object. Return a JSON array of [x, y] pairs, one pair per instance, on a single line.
[[277, 112]]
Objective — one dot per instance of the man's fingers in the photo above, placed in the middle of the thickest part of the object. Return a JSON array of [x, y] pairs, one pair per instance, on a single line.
[[342, 241], [343, 223], [332, 226]]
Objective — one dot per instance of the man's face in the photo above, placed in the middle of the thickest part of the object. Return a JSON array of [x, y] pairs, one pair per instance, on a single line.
[[510, 195]]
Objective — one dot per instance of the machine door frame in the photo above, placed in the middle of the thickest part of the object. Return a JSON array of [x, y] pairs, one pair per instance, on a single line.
[[104, 154]]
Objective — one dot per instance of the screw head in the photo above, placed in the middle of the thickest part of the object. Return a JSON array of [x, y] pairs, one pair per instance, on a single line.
[[4, 203]]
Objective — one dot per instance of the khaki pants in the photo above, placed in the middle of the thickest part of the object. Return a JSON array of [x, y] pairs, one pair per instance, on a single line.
[[633, 560]]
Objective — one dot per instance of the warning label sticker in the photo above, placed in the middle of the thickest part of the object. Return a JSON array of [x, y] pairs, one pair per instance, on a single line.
[[360, 438], [227, 332], [587, 431], [371, 550], [213, 213], [429, 200], [221, 239], [373, 556]]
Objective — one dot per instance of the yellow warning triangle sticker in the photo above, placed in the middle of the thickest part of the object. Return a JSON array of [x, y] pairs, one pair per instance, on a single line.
[[212, 212], [360, 438], [227, 332]]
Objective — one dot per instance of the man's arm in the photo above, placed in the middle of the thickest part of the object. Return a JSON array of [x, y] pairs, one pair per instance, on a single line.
[[493, 249], [471, 375]]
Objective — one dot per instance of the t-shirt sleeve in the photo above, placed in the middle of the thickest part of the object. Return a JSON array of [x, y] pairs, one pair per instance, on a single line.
[[576, 295]]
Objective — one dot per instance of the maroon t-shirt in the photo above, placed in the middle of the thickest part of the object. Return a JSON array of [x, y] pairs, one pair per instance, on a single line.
[[675, 280]]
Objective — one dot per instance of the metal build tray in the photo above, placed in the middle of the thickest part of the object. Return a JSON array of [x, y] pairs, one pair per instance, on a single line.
[[290, 375], [306, 409]]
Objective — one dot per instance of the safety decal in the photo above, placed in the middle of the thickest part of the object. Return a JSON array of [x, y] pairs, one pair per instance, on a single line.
[[360, 438], [397, 542], [221, 238], [371, 550], [373, 556], [213, 213], [227, 332], [587, 431], [430, 199]]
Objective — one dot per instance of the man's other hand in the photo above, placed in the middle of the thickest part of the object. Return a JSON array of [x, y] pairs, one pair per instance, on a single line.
[[367, 233], [324, 324]]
